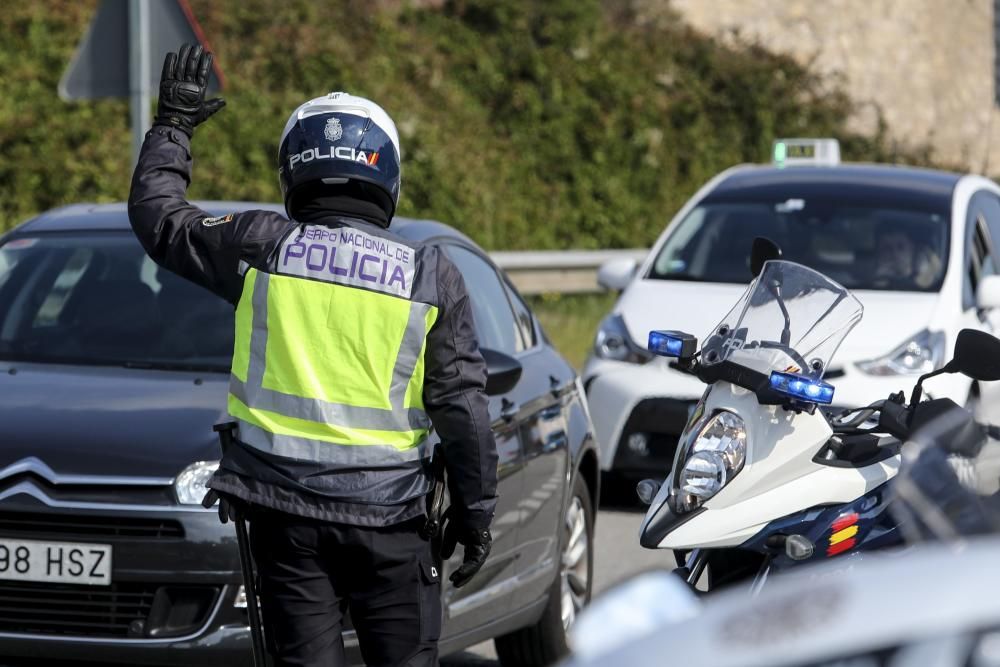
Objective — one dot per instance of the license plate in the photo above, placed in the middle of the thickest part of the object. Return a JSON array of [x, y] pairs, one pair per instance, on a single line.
[[57, 562]]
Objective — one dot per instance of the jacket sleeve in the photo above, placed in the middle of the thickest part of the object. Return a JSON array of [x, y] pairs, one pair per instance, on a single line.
[[182, 237], [455, 400]]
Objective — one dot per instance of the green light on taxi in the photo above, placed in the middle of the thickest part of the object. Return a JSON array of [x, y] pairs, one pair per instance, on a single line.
[[780, 152], [805, 152]]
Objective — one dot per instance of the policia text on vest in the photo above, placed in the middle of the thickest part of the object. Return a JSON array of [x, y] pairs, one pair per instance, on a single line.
[[351, 343]]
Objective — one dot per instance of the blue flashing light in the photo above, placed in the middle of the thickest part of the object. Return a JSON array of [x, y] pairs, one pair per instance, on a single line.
[[665, 345], [801, 388], [672, 344]]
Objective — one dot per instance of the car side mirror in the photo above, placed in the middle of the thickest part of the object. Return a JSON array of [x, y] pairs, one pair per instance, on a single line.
[[762, 250], [615, 274], [988, 293], [502, 371], [977, 355]]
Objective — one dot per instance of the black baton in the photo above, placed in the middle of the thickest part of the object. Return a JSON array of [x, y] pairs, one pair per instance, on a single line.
[[225, 432]]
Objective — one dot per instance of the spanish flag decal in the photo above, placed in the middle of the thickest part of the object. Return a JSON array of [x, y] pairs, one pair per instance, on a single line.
[[843, 534]]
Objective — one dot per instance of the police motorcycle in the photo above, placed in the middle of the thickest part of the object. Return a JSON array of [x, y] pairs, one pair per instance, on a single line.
[[763, 479], [932, 603]]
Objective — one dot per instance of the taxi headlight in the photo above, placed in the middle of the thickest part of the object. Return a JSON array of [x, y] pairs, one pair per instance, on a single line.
[[716, 455], [921, 354], [614, 342], [190, 484]]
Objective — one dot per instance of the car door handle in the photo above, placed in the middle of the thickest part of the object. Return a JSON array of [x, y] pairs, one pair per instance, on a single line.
[[557, 440], [508, 410], [550, 413]]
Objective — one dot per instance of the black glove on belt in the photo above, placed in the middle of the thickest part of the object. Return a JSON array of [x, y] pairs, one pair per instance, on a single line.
[[182, 90], [477, 543]]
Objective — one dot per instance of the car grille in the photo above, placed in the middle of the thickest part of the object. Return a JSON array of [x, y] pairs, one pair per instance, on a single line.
[[62, 609], [123, 610], [29, 524]]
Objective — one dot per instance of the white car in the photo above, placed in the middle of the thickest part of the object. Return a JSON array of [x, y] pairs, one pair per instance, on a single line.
[[914, 245]]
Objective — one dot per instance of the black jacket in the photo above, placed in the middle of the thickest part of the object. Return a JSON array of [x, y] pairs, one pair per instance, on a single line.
[[211, 251]]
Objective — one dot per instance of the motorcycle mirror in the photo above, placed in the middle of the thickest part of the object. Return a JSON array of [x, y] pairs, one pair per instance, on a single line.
[[977, 355], [762, 250]]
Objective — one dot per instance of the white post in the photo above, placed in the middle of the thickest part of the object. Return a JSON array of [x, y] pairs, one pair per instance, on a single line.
[[138, 68]]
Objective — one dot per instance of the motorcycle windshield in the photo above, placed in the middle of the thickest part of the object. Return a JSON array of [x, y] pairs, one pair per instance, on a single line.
[[790, 319]]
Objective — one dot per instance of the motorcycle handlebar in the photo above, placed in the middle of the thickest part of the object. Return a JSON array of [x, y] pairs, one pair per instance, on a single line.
[[894, 419], [941, 419]]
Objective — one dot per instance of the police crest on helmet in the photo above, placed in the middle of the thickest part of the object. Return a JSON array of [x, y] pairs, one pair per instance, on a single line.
[[333, 131]]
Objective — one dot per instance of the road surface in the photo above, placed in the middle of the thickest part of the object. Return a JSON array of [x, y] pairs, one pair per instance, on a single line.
[[617, 557]]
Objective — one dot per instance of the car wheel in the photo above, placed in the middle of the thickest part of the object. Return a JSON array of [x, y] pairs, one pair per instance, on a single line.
[[546, 642]]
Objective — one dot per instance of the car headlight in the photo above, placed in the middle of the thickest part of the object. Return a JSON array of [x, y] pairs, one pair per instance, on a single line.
[[921, 354], [614, 342], [715, 455], [190, 484]]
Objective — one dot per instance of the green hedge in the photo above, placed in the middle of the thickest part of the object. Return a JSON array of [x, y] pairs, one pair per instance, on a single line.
[[526, 124]]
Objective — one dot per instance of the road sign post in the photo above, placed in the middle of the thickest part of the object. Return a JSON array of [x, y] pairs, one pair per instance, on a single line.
[[121, 53], [138, 47]]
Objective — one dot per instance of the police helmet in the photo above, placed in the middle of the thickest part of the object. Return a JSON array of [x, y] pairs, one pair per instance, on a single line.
[[337, 139]]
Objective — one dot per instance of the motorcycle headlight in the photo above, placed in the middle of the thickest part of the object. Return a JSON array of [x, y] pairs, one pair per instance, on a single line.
[[190, 484], [921, 354], [614, 342], [715, 455]]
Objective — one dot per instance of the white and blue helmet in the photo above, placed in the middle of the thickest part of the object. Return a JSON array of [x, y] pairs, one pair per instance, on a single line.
[[339, 138]]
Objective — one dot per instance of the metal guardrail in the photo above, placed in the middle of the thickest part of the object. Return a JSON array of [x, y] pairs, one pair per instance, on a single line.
[[559, 271]]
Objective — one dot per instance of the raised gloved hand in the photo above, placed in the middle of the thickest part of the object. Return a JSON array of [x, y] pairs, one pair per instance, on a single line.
[[477, 543], [183, 82], [230, 508]]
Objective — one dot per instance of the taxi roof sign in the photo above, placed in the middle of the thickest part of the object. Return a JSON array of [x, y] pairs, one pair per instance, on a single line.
[[800, 152]]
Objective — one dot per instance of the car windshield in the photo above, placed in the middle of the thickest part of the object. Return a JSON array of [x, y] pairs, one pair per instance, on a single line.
[[790, 319], [97, 298], [863, 245]]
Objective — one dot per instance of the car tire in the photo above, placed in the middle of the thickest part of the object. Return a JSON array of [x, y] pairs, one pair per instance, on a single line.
[[545, 642]]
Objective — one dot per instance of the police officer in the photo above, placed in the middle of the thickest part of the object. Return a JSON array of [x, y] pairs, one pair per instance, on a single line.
[[350, 343]]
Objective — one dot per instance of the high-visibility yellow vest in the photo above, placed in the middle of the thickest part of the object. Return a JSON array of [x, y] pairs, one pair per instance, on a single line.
[[328, 364]]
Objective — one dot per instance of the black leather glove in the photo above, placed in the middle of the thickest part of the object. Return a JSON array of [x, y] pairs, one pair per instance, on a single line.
[[230, 508], [182, 101], [477, 543]]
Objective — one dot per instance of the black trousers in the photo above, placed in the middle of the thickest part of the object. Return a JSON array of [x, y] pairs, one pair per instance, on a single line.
[[312, 572]]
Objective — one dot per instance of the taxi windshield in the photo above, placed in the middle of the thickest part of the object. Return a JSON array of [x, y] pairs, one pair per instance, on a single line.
[[863, 245]]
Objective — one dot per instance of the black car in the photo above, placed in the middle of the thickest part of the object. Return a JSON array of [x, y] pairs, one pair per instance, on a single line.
[[112, 373]]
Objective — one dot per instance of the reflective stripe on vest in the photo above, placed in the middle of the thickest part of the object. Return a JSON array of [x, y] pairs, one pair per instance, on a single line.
[[329, 373]]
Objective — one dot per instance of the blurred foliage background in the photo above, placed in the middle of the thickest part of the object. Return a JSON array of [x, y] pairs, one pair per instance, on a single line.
[[526, 124]]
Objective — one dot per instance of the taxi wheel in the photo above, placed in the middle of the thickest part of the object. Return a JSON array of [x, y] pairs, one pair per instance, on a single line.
[[546, 642]]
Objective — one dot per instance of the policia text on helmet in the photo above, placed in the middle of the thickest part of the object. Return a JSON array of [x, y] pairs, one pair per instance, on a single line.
[[351, 342]]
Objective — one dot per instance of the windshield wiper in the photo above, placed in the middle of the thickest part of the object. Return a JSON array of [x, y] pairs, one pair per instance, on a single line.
[[140, 364], [175, 366], [52, 359]]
